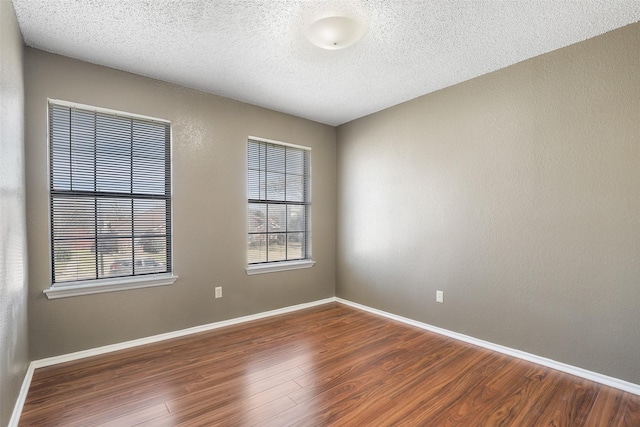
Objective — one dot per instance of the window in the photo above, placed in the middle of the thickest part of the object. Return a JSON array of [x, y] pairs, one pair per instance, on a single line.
[[110, 198], [278, 207]]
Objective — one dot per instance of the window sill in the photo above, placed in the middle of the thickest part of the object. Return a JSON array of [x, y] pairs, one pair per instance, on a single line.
[[279, 266], [73, 289]]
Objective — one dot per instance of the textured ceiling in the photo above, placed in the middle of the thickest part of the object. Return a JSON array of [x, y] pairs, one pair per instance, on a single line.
[[256, 51]]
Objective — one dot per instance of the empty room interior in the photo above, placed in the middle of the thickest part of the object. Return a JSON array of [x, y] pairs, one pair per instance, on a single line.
[[319, 213]]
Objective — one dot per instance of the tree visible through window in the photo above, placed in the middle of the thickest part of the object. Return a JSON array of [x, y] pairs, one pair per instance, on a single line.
[[110, 189], [279, 204]]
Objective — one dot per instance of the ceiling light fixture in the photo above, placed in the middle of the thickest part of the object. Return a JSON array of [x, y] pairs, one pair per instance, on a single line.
[[335, 32]]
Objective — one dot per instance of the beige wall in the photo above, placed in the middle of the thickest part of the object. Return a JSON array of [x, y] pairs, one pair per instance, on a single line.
[[209, 210], [14, 357], [518, 195]]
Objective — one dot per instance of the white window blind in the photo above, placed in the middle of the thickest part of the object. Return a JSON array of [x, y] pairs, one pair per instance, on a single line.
[[110, 195], [279, 203]]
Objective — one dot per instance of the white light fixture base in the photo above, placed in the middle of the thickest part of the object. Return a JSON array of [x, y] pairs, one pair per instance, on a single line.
[[335, 32]]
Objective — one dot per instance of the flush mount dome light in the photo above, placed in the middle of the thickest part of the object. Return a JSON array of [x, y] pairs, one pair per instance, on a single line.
[[335, 32]]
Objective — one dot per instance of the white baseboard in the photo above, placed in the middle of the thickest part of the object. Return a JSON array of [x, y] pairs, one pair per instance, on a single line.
[[22, 397], [573, 370]]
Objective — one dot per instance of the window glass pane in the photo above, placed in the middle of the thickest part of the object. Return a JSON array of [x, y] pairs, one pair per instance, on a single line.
[[149, 217], [113, 154], [82, 151], [114, 218], [295, 188], [296, 220], [149, 163], [257, 218], [275, 158], [73, 218], [148, 175], [295, 246], [257, 248], [120, 267], [277, 218], [83, 265], [257, 184], [153, 250], [275, 186], [295, 161], [73, 227], [149, 256], [59, 134], [256, 155], [150, 233], [263, 185], [114, 233], [277, 247], [114, 263], [74, 260]]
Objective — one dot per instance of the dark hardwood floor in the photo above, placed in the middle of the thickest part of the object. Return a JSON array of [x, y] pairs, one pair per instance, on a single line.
[[328, 365]]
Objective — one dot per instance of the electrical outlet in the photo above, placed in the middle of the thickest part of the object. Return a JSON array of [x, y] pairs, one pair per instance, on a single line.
[[219, 292], [439, 296]]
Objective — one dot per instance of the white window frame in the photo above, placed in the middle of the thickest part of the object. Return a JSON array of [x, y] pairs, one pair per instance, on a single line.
[[94, 286], [278, 266]]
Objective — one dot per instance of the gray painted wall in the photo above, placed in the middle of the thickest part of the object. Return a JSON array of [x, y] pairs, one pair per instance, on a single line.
[[209, 210], [518, 195], [14, 357]]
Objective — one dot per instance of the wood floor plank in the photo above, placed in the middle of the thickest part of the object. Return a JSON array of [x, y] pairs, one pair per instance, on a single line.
[[515, 397], [436, 396], [571, 407], [238, 411], [481, 395], [331, 404], [607, 409], [330, 365], [345, 368], [137, 417], [631, 414], [231, 392]]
